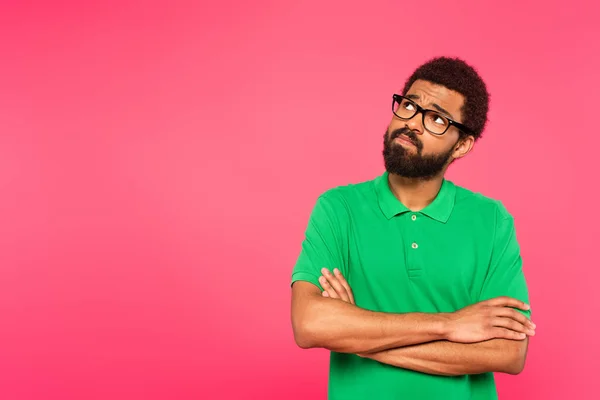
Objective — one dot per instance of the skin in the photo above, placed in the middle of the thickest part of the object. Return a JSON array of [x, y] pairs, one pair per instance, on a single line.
[[485, 337]]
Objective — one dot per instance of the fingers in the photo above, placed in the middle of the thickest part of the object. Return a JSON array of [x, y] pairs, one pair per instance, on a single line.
[[515, 315], [328, 290], [344, 283], [503, 333], [332, 284], [336, 284], [505, 301], [513, 325]]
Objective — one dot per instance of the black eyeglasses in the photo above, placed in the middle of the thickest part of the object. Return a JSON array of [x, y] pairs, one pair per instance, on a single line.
[[433, 121]]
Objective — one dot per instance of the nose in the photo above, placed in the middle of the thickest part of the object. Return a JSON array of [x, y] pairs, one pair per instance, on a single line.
[[415, 124]]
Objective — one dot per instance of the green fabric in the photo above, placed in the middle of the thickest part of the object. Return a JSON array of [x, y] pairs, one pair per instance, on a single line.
[[459, 250]]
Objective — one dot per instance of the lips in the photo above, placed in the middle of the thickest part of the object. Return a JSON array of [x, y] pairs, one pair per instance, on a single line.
[[405, 139]]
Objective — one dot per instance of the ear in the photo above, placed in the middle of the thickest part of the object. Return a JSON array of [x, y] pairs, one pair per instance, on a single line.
[[463, 147]]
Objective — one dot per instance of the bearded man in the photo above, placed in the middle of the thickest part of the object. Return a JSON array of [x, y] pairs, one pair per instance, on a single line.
[[413, 283]]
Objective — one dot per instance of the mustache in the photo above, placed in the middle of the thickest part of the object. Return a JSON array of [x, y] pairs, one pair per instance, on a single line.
[[408, 133]]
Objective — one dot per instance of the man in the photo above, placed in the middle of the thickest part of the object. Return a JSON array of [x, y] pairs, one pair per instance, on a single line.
[[413, 283]]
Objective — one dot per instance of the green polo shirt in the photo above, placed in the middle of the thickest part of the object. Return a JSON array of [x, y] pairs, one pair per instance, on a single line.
[[459, 250]]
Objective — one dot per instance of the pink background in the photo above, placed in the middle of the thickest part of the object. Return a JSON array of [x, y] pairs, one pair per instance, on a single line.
[[158, 163]]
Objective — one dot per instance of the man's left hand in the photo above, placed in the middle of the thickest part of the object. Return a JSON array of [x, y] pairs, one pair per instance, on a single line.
[[335, 286]]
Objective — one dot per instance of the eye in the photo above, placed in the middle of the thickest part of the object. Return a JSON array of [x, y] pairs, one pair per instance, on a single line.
[[436, 121], [408, 105], [439, 120]]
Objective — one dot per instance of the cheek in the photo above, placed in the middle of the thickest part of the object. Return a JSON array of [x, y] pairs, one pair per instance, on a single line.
[[434, 145]]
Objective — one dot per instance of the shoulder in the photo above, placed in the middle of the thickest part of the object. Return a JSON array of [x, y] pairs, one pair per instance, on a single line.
[[350, 193], [480, 204], [346, 199]]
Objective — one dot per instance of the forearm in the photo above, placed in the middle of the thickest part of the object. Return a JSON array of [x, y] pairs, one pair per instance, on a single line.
[[449, 358], [345, 328]]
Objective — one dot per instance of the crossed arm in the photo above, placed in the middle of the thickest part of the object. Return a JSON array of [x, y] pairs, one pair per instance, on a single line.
[[486, 337], [449, 358]]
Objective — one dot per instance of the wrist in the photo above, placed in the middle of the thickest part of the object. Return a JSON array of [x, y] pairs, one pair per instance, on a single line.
[[443, 325]]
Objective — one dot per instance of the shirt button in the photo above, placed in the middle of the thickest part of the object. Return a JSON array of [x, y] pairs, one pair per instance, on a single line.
[[414, 245], [414, 217]]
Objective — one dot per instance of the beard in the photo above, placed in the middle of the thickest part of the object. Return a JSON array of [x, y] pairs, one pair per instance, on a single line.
[[398, 160]]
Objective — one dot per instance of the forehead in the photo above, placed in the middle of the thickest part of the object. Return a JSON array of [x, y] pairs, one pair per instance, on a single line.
[[427, 94]]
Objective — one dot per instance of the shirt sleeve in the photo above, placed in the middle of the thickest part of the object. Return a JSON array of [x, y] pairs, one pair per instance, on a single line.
[[505, 275], [325, 241]]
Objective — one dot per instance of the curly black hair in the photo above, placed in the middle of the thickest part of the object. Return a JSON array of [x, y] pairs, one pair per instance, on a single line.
[[457, 75]]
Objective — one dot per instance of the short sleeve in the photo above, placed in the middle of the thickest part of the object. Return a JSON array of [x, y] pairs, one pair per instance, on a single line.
[[505, 275], [325, 241]]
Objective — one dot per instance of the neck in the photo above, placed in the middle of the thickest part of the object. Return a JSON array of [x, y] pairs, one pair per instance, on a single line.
[[415, 193]]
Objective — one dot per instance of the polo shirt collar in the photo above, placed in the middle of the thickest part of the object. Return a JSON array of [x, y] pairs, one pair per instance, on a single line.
[[439, 209]]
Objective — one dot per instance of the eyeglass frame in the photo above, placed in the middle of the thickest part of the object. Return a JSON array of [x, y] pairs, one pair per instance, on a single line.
[[451, 122]]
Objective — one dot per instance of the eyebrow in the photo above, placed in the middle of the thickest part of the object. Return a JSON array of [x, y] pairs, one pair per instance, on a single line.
[[437, 107]]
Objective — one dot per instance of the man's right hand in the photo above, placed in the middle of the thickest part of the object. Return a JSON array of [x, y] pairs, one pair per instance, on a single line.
[[490, 319]]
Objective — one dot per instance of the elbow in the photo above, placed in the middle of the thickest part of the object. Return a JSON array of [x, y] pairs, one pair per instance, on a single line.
[[305, 335], [308, 320], [515, 364], [304, 341]]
